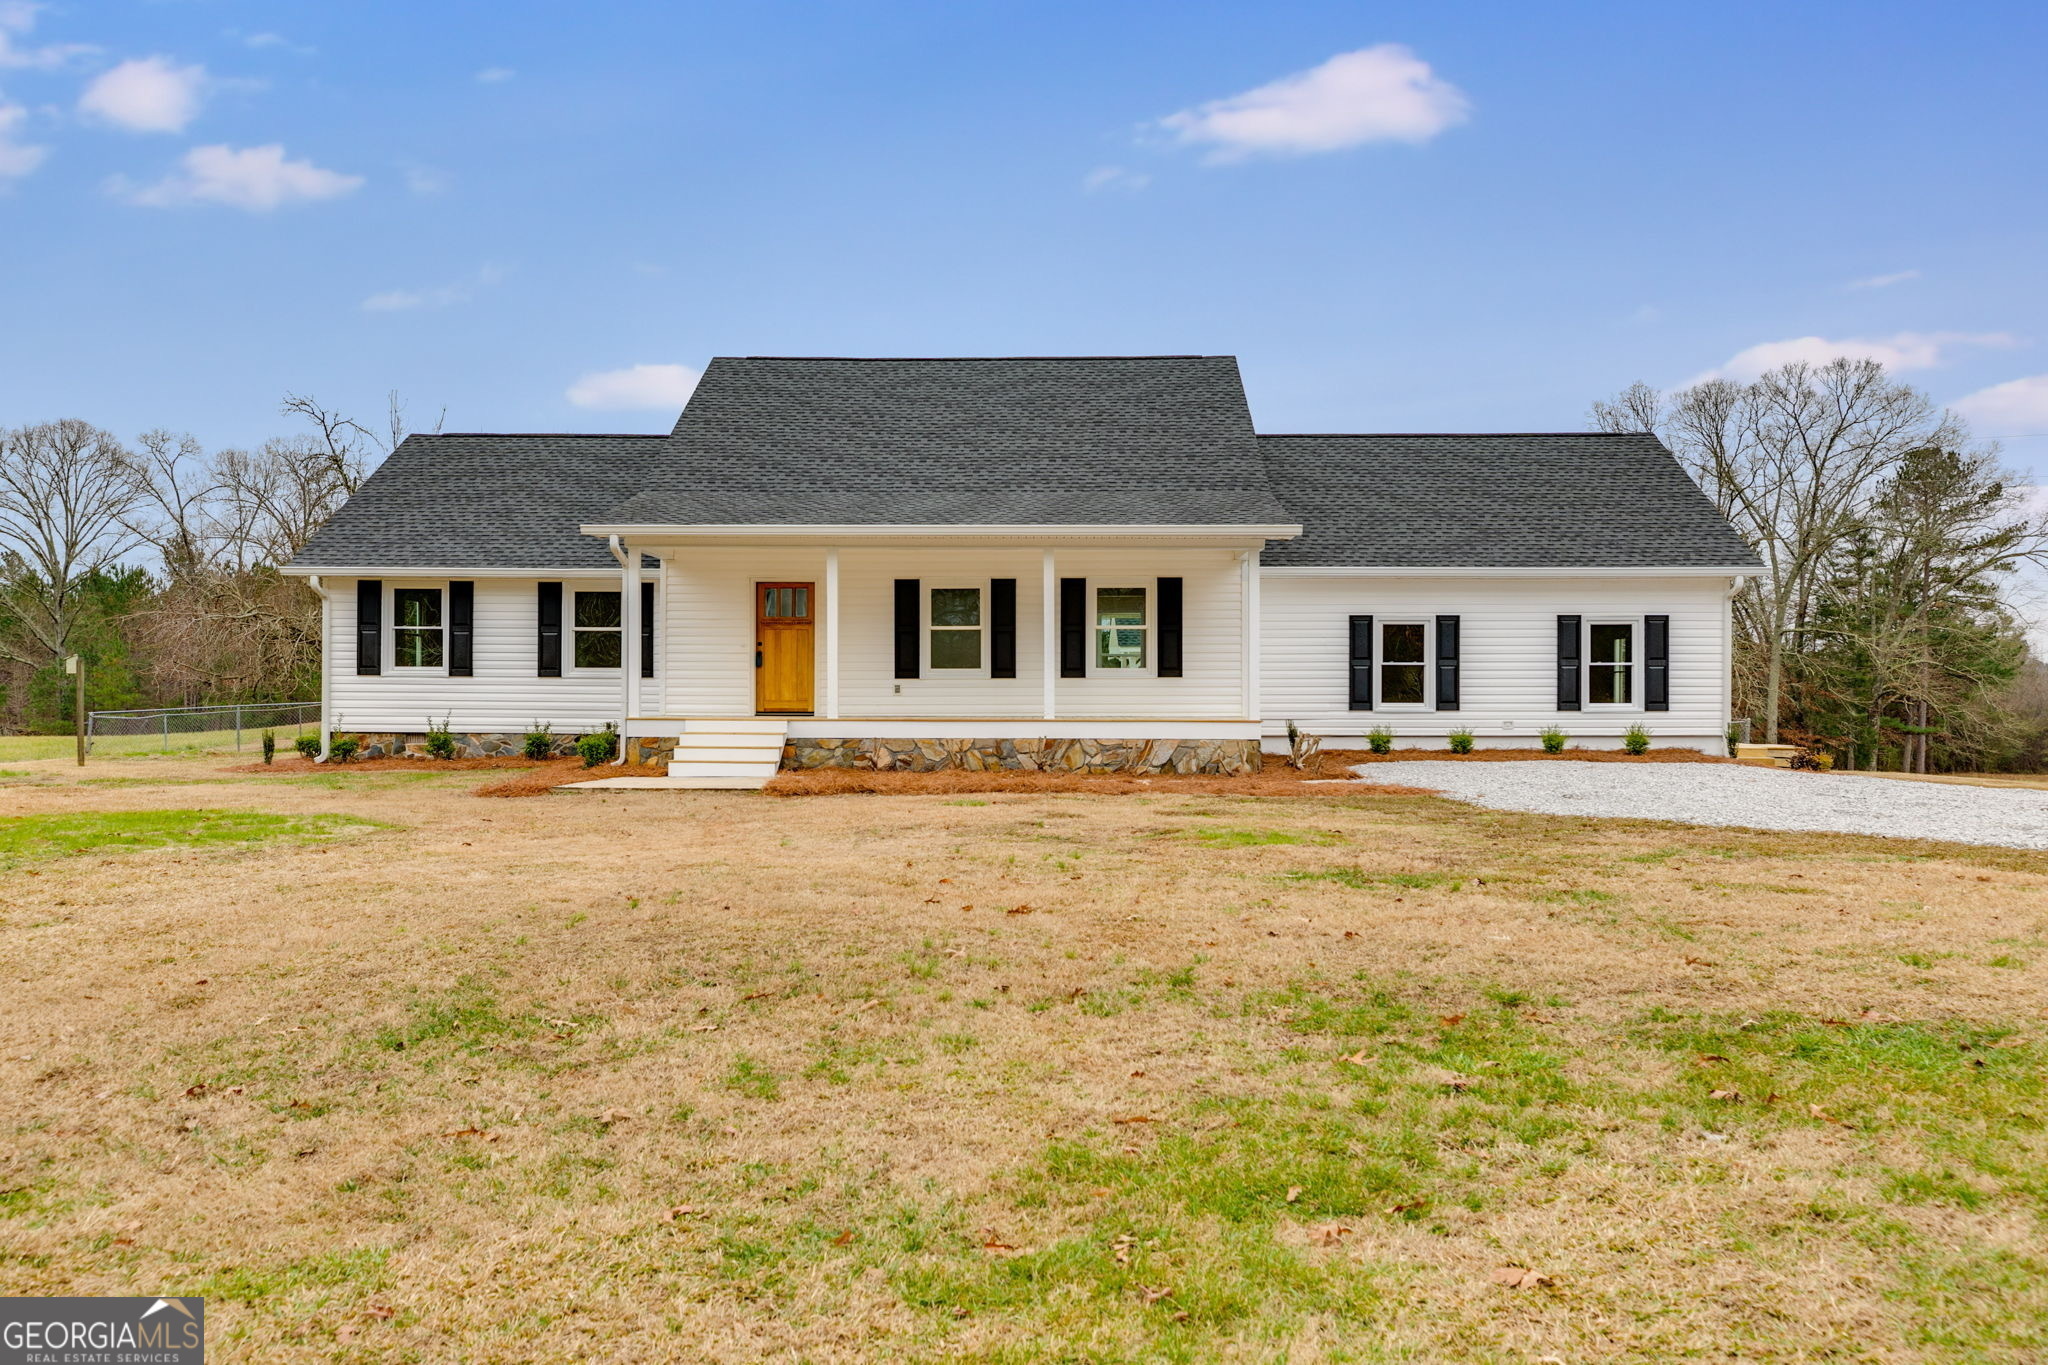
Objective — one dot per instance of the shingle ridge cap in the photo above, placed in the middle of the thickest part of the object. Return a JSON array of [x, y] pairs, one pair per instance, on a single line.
[[1445, 435], [891, 359]]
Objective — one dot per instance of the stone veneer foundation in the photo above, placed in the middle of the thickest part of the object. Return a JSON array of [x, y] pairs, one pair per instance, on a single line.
[[1210, 757], [1216, 757]]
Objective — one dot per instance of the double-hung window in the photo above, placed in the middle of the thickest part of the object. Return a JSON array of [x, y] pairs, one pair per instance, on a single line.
[[598, 628], [419, 633], [956, 630], [1611, 663], [1122, 629], [1404, 663]]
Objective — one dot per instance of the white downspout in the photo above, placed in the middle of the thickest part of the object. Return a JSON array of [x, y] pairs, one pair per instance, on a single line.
[[629, 642], [326, 660]]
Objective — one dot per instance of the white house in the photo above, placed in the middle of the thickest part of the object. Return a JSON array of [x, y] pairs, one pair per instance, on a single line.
[[1087, 562]]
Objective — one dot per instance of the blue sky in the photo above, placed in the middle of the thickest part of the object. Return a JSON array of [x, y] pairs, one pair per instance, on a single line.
[[1441, 217]]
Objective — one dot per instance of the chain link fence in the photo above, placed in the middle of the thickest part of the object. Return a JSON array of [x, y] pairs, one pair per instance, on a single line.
[[163, 729]]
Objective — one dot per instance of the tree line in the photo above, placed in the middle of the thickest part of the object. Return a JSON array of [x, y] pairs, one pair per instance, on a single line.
[[1882, 629], [158, 562]]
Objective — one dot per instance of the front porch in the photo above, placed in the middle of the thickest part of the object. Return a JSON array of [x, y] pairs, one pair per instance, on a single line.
[[1105, 653]]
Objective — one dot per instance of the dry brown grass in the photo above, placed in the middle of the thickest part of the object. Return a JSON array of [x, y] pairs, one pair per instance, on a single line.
[[1024, 1076]]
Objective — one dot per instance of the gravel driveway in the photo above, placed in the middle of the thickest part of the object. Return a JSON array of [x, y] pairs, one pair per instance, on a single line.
[[1724, 794]]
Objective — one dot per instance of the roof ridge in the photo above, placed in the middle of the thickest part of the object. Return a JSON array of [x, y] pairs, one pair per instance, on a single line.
[[888, 359], [1448, 435], [588, 435]]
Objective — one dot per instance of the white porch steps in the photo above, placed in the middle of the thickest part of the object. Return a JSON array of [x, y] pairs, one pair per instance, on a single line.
[[740, 754]]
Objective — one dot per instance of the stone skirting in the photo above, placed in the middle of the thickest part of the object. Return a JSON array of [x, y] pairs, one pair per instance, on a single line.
[[1216, 757]]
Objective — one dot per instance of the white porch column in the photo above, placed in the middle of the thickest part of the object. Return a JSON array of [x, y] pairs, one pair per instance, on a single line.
[[1049, 603], [1249, 586], [832, 634], [327, 665]]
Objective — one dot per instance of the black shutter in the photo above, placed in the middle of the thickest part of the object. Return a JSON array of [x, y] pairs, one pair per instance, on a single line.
[[1073, 627], [906, 627], [369, 625], [1170, 597], [1446, 663], [646, 630], [550, 617], [1656, 663], [1002, 628], [461, 629], [1361, 663], [1567, 663]]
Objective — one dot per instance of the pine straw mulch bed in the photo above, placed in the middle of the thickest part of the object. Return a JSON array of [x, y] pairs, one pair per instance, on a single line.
[[1324, 777]]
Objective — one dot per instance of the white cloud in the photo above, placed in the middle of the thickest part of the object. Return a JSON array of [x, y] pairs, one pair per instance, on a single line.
[[255, 178], [1376, 94], [425, 180], [1899, 351], [1115, 178], [19, 16], [146, 95], [636, 386], [17, 158], [1883, 281], [494, 75], [2018, 407], [441, 296]]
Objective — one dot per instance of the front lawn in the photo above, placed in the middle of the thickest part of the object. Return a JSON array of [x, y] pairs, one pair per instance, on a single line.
[[1029, 1076]]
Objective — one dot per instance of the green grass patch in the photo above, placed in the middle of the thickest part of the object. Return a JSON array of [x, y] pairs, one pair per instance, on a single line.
[[1224, 837], [37, 838], [1360, 880]]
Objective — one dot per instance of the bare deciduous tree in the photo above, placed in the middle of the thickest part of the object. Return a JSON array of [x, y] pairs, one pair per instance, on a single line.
[[1793, 459], [66, 491]]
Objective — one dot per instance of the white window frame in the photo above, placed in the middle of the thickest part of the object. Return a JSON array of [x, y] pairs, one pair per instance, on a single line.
[[926, 587], [570, 631], [391, 627], [1150, 584], [1380, 661], [1635, 663]]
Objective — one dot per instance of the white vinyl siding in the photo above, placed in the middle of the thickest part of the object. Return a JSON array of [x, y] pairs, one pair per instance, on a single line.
[[708, 630], [504, 694], [1507, 665]]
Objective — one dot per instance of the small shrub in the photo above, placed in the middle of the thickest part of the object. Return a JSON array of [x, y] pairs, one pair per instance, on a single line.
[[270, 746], [1380, 740], [1637, 740], [308, 746], [341, 748], [1812, 761], [540, 741], [601, 747], [1554, 740], [440, 739], [1460, 741]]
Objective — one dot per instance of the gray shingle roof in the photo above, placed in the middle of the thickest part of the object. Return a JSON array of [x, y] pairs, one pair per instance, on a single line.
[[1107, 440], [993, 441], [1556, 500], [481, 502]]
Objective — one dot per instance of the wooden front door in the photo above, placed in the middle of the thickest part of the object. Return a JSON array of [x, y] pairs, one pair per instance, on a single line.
[[783, 667]]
